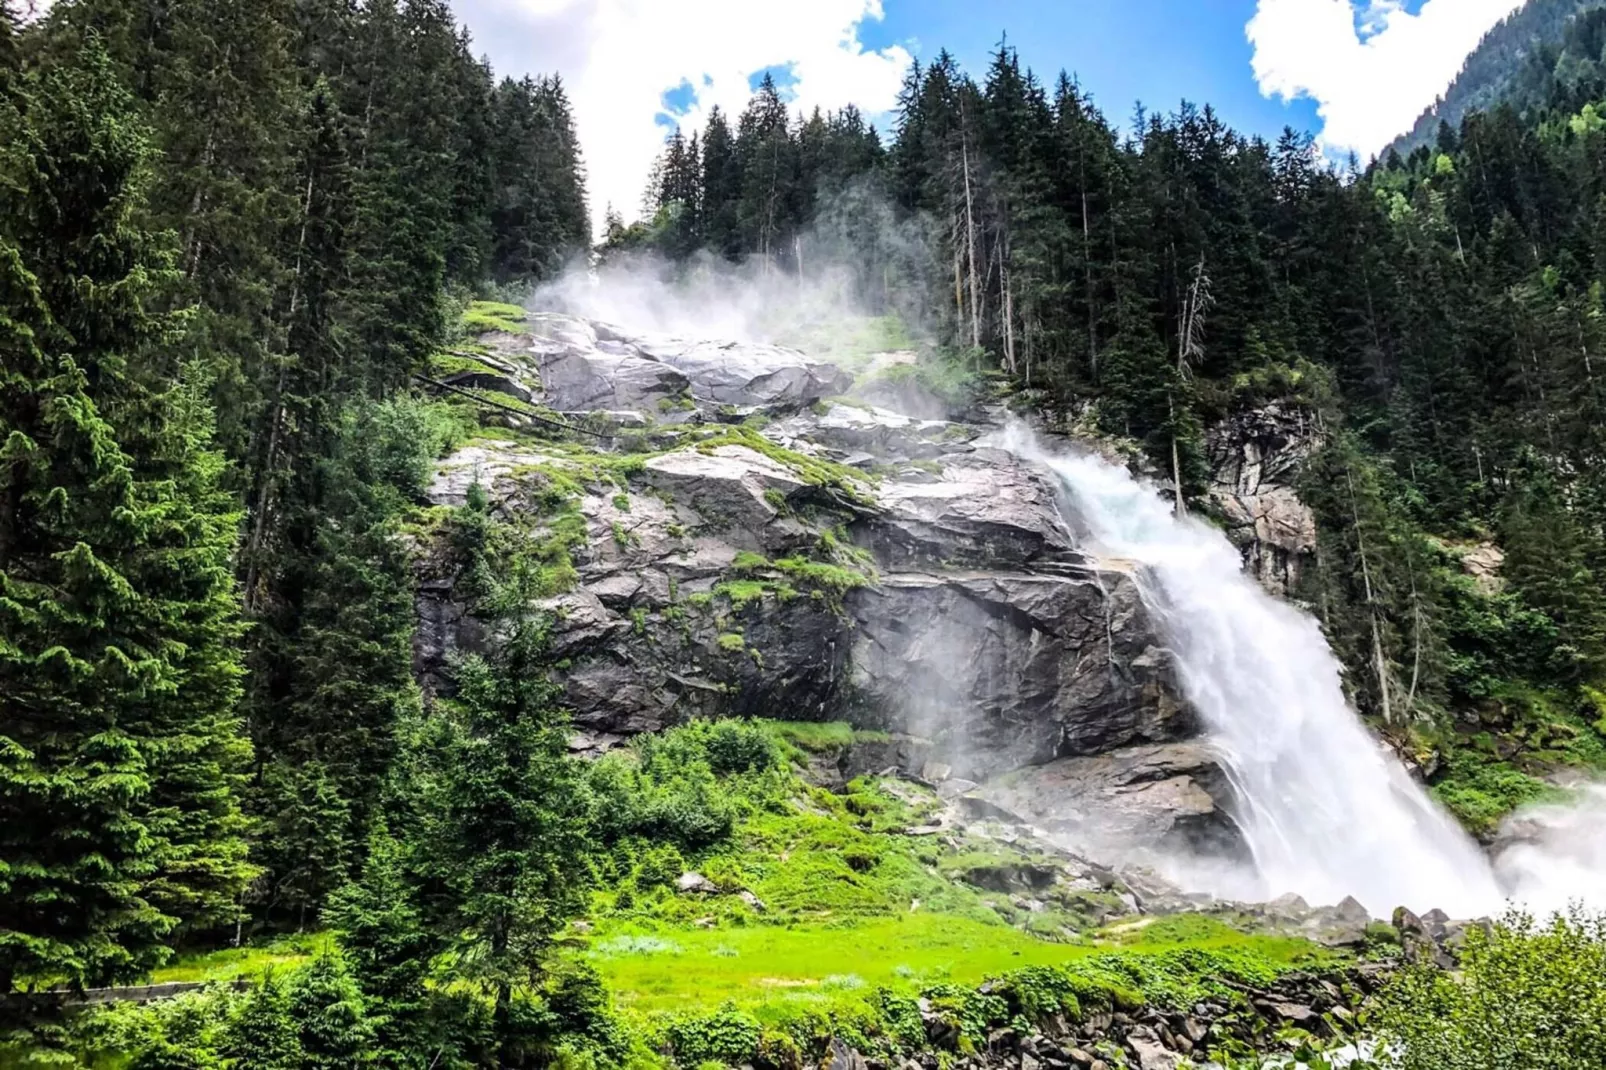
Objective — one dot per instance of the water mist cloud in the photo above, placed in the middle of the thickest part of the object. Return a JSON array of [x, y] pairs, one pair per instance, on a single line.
[[860, 258]]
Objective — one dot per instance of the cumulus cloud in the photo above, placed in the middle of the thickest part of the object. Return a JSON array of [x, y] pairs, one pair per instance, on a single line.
[[1371, 67], [636, 67]]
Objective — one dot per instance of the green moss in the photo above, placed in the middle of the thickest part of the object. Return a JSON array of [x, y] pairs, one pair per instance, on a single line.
[[482, 317], [458, 362], [1481, 790], [621, 502], [732, 642], [742, 592], [814, 471]]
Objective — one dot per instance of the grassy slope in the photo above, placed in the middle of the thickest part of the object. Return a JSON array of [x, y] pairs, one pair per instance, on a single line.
[[772, 969]]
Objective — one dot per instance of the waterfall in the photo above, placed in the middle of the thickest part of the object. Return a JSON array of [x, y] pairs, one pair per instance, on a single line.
[[1325, 809]]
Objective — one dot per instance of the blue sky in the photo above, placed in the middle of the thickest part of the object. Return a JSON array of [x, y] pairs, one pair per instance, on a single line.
[[1352, 72], [1156, 51]]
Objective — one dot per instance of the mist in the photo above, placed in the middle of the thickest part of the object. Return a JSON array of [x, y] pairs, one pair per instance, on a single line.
[[859, 259]]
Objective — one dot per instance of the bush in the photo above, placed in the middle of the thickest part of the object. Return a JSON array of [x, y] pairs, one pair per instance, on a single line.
[[728, 1035], [1529, 994], [669, 788]]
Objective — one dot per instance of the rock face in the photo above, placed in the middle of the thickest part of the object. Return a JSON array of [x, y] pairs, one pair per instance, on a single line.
[[572, 365], [940, 597], [1163, 799], [1254, 458]]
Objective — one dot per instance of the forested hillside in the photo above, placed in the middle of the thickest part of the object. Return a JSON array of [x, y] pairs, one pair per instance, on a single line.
[[1440, 318], [232, 234], [1545, 55]]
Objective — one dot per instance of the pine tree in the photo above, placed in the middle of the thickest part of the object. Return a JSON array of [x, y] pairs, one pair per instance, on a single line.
[[117, 670], [505, 813], [331, 1015], [263, 1034]]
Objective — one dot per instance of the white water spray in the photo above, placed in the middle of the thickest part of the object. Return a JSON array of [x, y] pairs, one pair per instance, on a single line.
[[1326, 811]]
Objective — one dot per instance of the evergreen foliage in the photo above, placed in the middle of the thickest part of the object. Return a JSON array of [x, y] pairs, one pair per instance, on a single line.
[[120, 754]]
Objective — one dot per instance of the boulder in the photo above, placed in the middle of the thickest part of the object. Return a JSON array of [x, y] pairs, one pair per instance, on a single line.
[[695, 884], [743, 373], [1483, 563], [1127, 803]]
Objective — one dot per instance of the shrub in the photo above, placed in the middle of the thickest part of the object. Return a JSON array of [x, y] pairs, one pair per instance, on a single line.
[[728, 1035], [1529, 994]]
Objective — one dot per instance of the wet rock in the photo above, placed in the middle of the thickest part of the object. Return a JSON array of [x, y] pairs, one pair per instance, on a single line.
[[1002, 670], [1421, 938], [839, 1056], [1157, 798], [738, 373]]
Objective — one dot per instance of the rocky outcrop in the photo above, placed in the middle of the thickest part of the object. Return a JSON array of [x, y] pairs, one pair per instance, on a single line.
[[938, 596], [573, 365], [1254, 460], [977, 625], [1007, 669], [1161, 800]]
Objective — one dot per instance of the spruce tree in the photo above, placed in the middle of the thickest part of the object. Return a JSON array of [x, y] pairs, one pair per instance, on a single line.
[[119, 754]]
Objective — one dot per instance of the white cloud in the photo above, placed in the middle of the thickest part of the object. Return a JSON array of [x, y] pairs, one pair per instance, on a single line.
[[619, 57], [1371, 67]]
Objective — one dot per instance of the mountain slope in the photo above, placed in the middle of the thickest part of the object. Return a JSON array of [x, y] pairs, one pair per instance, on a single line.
[[1549, 47]]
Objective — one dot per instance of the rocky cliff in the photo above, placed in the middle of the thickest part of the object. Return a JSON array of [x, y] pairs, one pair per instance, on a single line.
[[762, 546]]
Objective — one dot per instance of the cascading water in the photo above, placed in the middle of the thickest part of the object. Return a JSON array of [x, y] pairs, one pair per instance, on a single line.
[[1325, 810]]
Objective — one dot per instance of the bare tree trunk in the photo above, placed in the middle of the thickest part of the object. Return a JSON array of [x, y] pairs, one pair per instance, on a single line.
[[1087, 270], [1009, 307], [970, 235], [1416, 641], [1380, 664], [1176, 463]]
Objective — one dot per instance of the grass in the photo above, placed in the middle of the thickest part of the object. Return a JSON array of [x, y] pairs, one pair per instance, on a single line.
[[819, 737], [251, 961], [482, 317], [770, 967]]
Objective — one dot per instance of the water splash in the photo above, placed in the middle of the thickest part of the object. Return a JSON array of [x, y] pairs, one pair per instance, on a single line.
[[1325, 809]]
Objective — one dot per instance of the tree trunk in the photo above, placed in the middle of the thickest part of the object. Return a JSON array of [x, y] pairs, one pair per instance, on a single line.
[[1380, 664], [970, 236]]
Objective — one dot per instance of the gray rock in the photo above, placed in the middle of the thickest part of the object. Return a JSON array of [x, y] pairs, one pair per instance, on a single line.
[[838, 1056], [1151, 1055], [1127, 802], [727, 487], [1001, 670], [1255, 457], [737, 373], [696, 884]]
